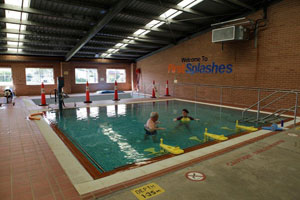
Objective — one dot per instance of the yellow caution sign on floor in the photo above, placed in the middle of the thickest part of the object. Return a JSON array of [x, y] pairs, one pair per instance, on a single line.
[[147, 191]]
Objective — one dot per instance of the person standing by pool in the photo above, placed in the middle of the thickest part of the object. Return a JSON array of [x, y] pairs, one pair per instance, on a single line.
[[151, 126]]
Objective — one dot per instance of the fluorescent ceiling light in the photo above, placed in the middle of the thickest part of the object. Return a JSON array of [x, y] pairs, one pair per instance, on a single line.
[[24, 16], [152, 23], [12, 26], [12, 49], [110, 50], [175, 14], [168, 13], [119, 44], [12, 35], [12, 43], [145, 32], [18, 2], [184, 3], [138, 32], [194, 3], [159, 24]]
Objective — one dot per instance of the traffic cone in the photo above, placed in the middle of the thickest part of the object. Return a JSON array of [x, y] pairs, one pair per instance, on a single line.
[[167, 89], [116, 98], [153, 90], [87, 94], [43, 96]]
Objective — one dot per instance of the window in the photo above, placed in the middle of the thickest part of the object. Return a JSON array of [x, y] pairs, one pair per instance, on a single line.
[[5, 76], [83, 75], [113, 75], [35, 76]]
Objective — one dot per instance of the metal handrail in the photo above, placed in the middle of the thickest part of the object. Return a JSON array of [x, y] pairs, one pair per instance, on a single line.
[[278, 98], [239, 87], [280, 111], [258, 102], [274, 90]]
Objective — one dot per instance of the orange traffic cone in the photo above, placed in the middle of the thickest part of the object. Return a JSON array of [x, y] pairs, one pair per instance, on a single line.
[[153, 90], [87, 94], [43, 96], [116, 98], [167, 89]]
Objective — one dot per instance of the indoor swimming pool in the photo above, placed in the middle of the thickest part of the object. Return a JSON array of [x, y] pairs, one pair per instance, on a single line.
[[112, 136]]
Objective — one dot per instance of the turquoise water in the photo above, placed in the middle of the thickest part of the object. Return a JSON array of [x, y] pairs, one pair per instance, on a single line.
[[114, 135]]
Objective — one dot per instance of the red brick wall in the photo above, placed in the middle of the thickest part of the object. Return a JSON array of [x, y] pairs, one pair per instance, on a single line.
[[275, 63], [21, 89], [101, 85]]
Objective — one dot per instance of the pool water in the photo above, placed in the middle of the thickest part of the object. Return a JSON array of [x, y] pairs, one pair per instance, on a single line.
[[114, 135]]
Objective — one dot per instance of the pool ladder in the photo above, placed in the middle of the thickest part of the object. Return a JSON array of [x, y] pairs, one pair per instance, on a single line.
[[275, 116]]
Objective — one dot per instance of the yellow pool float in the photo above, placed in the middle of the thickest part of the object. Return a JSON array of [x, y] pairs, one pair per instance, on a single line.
[[171, 149], [214, 136], [247, 128]]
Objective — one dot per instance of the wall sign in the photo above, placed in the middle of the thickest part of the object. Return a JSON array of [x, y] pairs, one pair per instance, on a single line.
[[200, 65], [147, 191]]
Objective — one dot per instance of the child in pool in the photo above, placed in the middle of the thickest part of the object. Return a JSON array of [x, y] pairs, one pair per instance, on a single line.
[[151, 126]]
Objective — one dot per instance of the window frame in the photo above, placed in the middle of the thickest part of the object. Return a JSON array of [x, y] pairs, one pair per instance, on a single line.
[[114, 81], [12, 80], [40, 75], [87, 79]]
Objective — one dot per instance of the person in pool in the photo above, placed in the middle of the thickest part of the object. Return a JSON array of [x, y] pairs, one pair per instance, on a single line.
[[151, 126], [184, 119]]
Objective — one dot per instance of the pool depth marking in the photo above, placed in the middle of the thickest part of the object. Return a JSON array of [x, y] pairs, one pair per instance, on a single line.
[[248, 156], [147, 191]]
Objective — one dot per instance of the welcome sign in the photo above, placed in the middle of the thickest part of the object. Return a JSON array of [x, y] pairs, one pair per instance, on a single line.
[[200, 65]]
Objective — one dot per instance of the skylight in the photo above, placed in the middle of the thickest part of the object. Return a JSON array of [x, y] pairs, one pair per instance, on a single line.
[[12, 14], [169, 14], [19, 16], [138, 32], [18, 2], [12, 35], [12, 43]]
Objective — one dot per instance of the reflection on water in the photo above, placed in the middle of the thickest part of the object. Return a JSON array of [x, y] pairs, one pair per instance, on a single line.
[[125, 147], [115, 110]]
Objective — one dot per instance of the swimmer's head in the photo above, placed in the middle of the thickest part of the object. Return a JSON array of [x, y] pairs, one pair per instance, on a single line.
[[154, 116], [185, 112]]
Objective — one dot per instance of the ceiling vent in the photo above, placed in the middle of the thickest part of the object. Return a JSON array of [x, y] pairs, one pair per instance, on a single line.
[[230, 33]]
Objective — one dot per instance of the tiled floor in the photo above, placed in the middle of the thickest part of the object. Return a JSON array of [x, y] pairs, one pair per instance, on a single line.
[[28, 168]]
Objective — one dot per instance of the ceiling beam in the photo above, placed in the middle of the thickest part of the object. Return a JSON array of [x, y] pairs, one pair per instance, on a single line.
[[241, 4], [136, 39], [99, 26], [79, 31], [29, 53], [133, 27], [38, 12], [148, 16], [176, 7], [225, 3], [41, 35]]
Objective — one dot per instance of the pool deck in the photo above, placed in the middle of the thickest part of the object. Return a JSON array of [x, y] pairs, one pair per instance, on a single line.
[[268, 168]]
